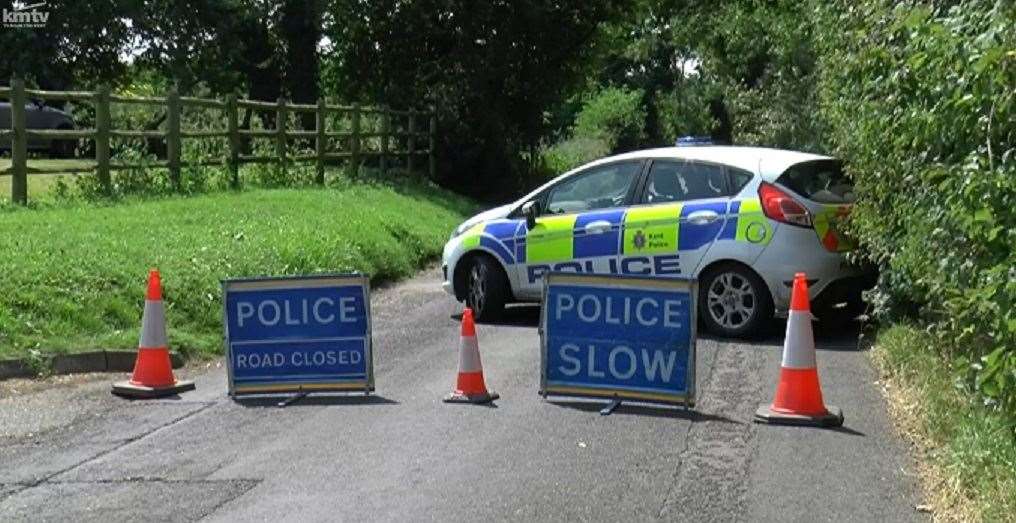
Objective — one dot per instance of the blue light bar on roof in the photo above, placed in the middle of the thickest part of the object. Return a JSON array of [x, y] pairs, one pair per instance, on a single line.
[[691, 141]]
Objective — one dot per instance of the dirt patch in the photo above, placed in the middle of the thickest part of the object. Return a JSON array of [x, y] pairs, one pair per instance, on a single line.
[[21, 386]]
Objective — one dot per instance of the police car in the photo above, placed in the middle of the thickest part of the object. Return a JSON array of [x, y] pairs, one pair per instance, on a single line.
[[742, 220]]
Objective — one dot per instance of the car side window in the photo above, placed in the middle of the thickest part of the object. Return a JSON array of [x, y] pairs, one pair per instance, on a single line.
[[683, 181], [738, 179], [597, 188]]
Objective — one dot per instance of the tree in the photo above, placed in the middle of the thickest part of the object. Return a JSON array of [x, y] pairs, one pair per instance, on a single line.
[[492, 68], [79, 45]]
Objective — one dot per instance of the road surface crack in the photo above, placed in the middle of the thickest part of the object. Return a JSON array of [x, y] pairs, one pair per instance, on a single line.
[[710, 480], [123, 443]]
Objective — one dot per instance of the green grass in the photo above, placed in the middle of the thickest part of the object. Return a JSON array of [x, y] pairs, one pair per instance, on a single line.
[[971, 449], [41, 185], [72, 277]]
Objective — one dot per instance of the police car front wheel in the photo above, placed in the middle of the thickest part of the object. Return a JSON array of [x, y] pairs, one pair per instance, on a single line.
[[486, 288], [734, 301]]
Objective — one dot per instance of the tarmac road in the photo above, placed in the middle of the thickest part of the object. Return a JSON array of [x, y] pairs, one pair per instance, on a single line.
[[75, 452]]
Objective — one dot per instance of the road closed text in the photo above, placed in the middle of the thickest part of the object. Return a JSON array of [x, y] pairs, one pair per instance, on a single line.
[[320, 358]]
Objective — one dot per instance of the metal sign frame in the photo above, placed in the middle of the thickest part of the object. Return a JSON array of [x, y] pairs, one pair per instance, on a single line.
[[300, 282], [689, 285]]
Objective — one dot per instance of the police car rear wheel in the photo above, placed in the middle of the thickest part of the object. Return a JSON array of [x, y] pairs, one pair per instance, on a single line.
[[486, 289], [734, 301]]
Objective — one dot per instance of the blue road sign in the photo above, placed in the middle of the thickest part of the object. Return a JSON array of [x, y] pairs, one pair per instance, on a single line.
[[298, 334], [619, 337]]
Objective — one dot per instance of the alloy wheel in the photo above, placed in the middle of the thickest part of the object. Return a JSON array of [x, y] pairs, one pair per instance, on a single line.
[[731, 300], [478, 287]]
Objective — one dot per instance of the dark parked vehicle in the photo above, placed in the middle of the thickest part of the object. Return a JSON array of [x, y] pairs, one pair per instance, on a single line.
[[40, 116]]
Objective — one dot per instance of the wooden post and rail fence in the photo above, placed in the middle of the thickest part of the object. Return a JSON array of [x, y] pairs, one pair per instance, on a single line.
[[355, 138]]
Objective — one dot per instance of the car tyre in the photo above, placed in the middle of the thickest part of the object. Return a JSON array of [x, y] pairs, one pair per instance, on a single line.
[[62, 148], [734, 301], [486, 289]]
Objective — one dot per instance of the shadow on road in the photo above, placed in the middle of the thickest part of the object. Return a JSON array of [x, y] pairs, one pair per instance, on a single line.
[[842, 336], [828, 336], [847, 430], [314, 400], [518, 315], [641, 409]]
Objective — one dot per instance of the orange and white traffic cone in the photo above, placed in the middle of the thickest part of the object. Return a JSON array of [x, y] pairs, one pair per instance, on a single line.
[[153, 372], [798, 398], [470, 387]]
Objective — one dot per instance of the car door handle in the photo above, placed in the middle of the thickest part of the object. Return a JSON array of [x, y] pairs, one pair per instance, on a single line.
[[597, 227], [703, 217]]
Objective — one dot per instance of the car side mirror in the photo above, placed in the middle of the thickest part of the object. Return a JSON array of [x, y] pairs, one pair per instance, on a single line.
[[529, 211]]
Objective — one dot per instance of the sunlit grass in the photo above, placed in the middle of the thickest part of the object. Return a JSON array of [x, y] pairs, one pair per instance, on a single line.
[[971, 450], [72, 277]]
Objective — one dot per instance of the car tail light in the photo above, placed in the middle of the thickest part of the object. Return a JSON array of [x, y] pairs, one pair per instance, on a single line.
[[780, 206]]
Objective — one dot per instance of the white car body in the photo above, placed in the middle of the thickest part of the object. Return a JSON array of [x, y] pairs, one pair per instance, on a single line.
[[706, 233]]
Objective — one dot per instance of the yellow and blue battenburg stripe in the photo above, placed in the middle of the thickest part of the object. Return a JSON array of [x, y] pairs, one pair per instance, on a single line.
[[747, 223], [597, 244], [654, 229]]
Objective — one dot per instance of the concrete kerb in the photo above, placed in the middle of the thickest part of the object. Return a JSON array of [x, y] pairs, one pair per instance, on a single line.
[[94, 361]]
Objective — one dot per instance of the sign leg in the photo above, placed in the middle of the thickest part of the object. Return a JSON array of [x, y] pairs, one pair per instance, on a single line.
[[292, 399], [615, 403]]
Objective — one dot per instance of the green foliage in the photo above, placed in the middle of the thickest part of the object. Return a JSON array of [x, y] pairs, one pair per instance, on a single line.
[[921, 103], [685, 111], [761, 56], [571, 153], [973, 445], [74, 274], [614, 115], [493, 69]]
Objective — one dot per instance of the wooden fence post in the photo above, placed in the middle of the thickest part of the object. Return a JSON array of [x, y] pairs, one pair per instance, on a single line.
[[354, 152], [233, 128], [431, 141], [411, 142], [385, 122], [173, 136], [321, 143], [280, 135], [102, 132], [19, 143]]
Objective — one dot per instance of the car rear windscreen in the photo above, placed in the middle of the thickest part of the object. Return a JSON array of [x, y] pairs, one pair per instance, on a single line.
[[821, 181]]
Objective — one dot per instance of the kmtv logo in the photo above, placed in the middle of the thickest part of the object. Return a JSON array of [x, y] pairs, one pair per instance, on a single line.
[[22, 15]]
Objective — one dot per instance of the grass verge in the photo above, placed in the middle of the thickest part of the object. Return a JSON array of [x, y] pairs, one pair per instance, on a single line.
[[40, 186], [967, 452], [72, 277]]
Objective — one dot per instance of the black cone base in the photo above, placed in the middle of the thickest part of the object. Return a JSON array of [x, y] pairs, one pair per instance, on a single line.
[[832, 418], [457, 397], [127, 389]]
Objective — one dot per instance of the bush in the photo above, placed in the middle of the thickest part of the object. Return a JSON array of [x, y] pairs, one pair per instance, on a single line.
[[920, 100], [571, 153], [615, 115], [685, 111]]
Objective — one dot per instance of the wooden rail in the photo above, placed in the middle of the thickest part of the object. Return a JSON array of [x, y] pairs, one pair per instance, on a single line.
[[360, 143]]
